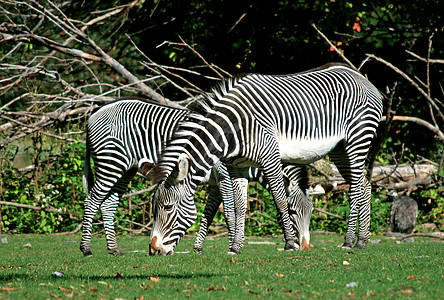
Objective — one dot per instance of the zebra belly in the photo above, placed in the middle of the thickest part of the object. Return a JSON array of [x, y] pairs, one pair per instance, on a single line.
[[306, 150]]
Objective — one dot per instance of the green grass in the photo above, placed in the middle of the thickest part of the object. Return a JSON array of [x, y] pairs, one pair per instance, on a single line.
[[385, 270]]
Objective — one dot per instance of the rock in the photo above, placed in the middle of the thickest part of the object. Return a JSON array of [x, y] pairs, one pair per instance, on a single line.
[[409, 240], [375, 241], [58, 274], [428, 226], [3, 240], [351, 284], [28, 245], [403, 214]]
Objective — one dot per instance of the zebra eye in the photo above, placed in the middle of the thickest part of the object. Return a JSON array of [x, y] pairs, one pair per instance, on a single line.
[[168, 207]]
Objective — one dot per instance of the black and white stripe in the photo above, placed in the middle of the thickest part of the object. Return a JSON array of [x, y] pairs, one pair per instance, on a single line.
[[263, 120], [125, 135], [299, 204], [120, 136]]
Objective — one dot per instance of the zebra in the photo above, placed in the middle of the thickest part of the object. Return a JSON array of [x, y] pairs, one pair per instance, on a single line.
[[126, 136], [261, 121]]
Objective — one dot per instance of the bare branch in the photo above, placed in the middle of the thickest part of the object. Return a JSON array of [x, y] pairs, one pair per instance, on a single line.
[[411, 81], [46, 209], [334, 47], [418, 121], [432, 61]]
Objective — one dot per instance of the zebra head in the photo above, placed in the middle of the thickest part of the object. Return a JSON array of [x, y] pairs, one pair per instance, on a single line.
[[173, 209], [300, 208]]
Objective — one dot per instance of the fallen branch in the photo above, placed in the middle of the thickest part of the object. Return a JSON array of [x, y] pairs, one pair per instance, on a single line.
[[68, 232], [328, 213], [435, 235], [45, 209], [323, 232], [409, 185]]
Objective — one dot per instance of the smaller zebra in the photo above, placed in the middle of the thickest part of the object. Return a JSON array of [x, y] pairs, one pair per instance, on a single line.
[[125, 136]]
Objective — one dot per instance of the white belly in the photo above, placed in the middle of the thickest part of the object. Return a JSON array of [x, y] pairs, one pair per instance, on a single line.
[[306, 150]]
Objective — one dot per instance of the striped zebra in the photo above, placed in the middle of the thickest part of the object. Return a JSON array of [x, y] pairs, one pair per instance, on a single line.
[[127, 135], [263, 121]]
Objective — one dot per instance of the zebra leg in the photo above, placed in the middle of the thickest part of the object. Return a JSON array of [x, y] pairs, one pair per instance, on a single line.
[[364, 216], [213, 203], [240, 191], [352, 170], [92, 203], [109, 208], [227, 196], [90, 210], [273, 174]]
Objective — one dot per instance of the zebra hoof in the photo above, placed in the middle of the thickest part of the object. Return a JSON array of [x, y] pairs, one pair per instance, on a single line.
[[232, 251], [359, 245], [86, 252], [291, 246], [346, 246], [198, 251], [115, 252]]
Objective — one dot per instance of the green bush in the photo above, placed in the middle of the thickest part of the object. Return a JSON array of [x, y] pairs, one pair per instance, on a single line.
[[55, 185]]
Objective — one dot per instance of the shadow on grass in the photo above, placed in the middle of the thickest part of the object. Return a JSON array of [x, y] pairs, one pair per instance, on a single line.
[[48, 277]]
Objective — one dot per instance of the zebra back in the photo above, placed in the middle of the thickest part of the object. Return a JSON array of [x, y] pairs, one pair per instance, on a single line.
[[139, 129]]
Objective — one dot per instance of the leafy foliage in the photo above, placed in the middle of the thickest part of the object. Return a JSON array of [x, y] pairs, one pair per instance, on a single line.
[[268, 37], [56, 184]]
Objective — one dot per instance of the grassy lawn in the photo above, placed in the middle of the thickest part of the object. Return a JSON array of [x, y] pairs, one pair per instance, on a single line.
[[384, 270]]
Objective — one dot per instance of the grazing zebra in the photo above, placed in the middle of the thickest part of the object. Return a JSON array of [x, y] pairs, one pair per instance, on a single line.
[[263, 120], [128, 134]]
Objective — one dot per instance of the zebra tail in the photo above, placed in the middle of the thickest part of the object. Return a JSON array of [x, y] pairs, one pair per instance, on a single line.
[[88, 179]]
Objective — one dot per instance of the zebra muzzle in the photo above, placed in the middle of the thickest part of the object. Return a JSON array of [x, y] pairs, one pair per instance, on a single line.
[[305, 245], [157, 249], [154, 247]]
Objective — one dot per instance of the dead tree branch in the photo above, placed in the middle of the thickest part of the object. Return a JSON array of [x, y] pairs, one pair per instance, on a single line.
[[412, 82], [68, 100], [418, 121], [46, 209], [432, 61], [334, 47]]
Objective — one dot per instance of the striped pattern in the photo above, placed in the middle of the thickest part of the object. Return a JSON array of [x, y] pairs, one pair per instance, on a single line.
[[261, 120], [120, 136], [128, 134], [299, 204]]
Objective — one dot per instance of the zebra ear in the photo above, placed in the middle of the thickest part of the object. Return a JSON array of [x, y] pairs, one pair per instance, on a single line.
[[145, 166], [183, 167]]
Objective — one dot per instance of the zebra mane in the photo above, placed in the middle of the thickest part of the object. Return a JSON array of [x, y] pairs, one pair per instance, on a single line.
[[199, 109], [129, 98], [159, 173], [221, 88]]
